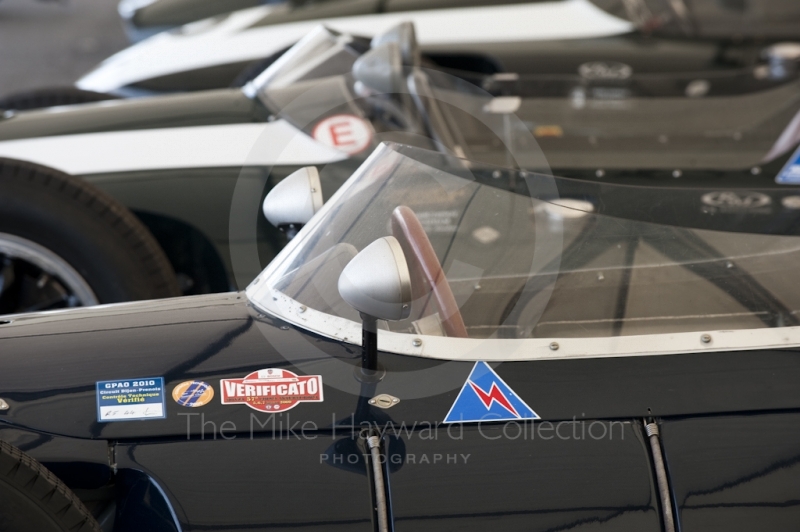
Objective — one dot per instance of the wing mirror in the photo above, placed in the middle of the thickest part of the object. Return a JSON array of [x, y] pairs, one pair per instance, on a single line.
[[381, 69], [293, 201], [405, 37], [783, 59], [377, 283]]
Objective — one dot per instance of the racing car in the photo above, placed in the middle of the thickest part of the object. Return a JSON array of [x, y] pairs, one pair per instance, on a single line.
[[188, 166], [66, 239], [444, 345], [231, 49], [594, 37]]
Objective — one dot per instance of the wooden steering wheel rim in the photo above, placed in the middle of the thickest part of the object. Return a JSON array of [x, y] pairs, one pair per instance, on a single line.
[[426, 270]]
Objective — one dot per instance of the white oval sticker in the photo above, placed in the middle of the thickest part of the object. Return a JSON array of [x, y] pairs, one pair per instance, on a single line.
[[347, 133]]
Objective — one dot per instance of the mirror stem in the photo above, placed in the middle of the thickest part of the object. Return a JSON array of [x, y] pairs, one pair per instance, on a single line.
[[290, 230], [369, 343]]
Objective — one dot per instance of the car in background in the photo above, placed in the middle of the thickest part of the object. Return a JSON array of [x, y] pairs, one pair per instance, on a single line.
[[175, 162], [231, 49], [591, 37], [561, 364], [193, 168], [526, 37]]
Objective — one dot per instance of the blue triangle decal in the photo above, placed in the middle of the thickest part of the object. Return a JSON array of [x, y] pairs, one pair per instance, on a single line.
[[790, 173], [486, 397]]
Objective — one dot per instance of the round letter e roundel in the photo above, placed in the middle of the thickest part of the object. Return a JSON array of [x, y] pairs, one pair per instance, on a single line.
[[346, 133]]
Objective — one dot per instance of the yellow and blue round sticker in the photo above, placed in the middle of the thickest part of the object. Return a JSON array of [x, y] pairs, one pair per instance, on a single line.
[[193, 393]]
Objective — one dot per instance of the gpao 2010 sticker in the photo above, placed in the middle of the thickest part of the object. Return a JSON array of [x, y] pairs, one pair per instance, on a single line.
[[131, 399], [271, 390]]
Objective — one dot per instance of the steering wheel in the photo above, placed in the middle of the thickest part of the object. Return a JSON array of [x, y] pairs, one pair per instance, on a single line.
[[426, 271]]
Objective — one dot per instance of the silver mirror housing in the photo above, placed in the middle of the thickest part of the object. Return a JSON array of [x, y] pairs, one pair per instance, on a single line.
[[381, 69], [294, 200], [406, 38], [377, 281], [783, 59]]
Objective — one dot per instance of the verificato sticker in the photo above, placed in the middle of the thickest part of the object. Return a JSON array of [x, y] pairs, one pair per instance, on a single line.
[[131, 399], [272, 390]]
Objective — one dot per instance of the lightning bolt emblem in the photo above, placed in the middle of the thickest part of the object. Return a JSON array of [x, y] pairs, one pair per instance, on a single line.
[[494, 395]]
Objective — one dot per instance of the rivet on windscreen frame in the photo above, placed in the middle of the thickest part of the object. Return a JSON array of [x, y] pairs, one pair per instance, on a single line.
[[706, 338], [4, 405], [600, 173], [302, 309], [676, 174], [554, 346], [416, 342], [756, 170], [497, 174]]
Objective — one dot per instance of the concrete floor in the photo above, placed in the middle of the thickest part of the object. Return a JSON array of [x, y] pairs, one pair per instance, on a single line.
[[53, 43]]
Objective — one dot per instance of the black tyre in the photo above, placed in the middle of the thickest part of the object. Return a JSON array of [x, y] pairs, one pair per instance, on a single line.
[[40, 98], [64, 243], [32, 498]]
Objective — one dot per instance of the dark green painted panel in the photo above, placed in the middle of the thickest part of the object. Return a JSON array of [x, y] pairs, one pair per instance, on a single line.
[[226, 106]]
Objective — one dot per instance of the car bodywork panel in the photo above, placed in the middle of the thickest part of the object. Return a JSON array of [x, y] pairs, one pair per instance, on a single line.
[[259, 455], [167, 13], [226, 106], [321, 10], [560, 56], [738, 472], [544, 478], [159, 194], [270, 482], [221, 335], [225, 210]]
